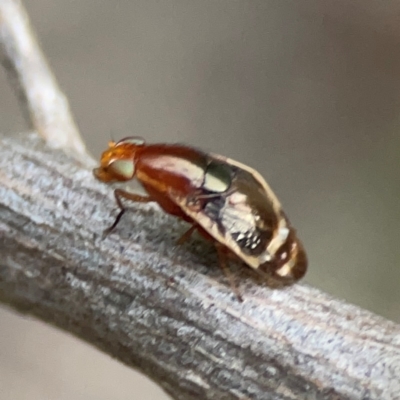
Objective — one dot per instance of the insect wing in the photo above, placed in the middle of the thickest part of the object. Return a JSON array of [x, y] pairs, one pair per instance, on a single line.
[[244, 218]]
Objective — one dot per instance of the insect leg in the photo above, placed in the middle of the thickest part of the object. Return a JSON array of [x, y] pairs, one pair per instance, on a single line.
[[185, 237], [223, 263], [120, 194]]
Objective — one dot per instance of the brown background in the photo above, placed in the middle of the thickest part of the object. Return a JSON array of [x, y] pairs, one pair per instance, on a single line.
[[306, 92]]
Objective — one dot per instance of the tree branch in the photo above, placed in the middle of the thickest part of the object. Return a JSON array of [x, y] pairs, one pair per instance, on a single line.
[[38, 92], [163, 309], [168, 310]]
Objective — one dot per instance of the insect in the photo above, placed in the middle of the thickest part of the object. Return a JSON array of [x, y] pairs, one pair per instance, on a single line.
[[227, 202]]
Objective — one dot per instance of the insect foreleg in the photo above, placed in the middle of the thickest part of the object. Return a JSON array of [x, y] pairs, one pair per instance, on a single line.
[[120, 194]]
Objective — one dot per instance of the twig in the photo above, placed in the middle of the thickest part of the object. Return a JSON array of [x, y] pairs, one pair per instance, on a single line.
[[33, 81], [168, 310], [146, 302]]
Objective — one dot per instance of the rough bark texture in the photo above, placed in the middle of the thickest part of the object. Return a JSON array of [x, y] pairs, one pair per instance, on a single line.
[[168, 310], [165, 310]]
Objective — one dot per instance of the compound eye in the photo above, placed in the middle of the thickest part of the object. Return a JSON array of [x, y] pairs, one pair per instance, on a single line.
[[135, 140], [123, 168]]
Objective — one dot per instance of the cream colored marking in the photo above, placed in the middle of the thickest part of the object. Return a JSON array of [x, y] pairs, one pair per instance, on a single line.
[[264, 257], [237, 199], [280, 237], [179, 165], [286, 269]]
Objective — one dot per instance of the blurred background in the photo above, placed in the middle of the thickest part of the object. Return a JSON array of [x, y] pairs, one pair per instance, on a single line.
[[308, 93]]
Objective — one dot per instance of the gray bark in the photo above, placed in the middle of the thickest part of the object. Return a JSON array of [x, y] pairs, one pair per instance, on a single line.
[[166, 310], [163, 309]]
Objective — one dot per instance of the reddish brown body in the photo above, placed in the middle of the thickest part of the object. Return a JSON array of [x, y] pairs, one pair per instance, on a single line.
[[224, 200], [161, 170]]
